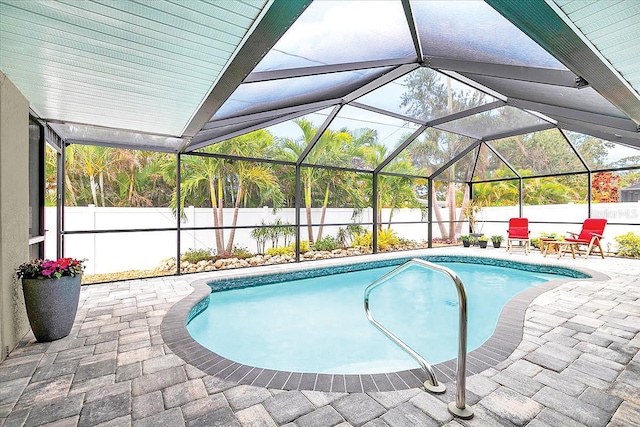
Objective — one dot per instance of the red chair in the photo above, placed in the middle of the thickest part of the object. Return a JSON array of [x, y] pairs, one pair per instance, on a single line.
[[590, 235], [518, 232]]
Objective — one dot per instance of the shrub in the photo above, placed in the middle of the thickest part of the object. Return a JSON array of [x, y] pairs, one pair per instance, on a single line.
[[483, 239], [327, 244], [260, 235], [241, 252], [536, 242], [363, 239], [346, 237], [629, 245], [289, 249], [196, 255], [407, 242], [497, 238], [387, 238], [283, 250]]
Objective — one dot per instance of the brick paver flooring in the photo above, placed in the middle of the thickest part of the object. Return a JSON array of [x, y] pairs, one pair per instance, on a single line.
[[578, 364]]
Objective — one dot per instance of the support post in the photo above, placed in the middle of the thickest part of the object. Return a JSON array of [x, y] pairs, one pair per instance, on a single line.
[[470, 184], [61, 188], [430, 200], [297, 206], [520, 197], [589, 193], [374, 234], [178, 212]]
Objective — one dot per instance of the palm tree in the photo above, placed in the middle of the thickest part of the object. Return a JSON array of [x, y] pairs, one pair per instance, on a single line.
[[332, 148], [202, 176], [234, 181], [393, 191], [94, 161]]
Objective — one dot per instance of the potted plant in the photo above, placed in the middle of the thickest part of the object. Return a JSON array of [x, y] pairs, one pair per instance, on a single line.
[[496, 240], [482, 241], [466, 240], [51, 293]]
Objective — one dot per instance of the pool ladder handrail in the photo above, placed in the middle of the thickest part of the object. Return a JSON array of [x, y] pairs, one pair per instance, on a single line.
[[459, 408]]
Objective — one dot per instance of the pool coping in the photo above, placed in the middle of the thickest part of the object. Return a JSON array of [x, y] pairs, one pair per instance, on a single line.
[[506, 338]]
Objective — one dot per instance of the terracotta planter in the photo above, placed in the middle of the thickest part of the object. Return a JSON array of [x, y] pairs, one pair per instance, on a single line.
[[51, 305]]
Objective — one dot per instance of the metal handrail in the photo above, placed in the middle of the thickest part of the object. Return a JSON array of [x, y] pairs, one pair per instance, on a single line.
[[459, 408]]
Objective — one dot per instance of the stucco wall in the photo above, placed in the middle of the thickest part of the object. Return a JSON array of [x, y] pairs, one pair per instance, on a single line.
[[14, 209]]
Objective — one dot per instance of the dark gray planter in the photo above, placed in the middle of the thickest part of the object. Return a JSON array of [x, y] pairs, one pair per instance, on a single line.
[[51, 305]]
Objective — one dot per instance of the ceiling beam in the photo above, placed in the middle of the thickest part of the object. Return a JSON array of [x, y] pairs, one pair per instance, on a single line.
[[413, 29], [521, 131], [474, 84], [125, 146], [514, 72], [275, 22], [318, 135], [203, 141], [608, 134], [386, 112], [380, 81], [552, 30], [583, 116], [400, 148], [502, 158], [459, 156], [261, 76], [272, 113]]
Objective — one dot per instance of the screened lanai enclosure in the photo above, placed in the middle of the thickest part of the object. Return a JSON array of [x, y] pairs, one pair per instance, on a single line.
[[283, 131]]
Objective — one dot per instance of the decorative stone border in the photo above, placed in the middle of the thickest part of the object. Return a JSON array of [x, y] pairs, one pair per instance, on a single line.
[[497, 348]]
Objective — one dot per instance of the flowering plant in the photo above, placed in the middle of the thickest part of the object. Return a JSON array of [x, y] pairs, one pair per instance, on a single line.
[[47, 269]]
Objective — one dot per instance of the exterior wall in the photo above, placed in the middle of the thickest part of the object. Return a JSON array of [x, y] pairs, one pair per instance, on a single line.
[[112, 252], [14, 208]]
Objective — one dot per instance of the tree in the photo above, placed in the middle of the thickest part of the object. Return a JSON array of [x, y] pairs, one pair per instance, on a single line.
[[394, 192], [427, 96], [331, 148], [605, 186], [232, 182], [94, 161]]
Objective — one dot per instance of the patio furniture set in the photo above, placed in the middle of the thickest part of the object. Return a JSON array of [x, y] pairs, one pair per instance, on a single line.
[[590, 236]]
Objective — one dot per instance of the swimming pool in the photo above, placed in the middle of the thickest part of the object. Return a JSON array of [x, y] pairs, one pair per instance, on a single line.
[[318, 324]]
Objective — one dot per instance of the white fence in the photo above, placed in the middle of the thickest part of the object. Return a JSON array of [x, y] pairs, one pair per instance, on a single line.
[[110, 252]]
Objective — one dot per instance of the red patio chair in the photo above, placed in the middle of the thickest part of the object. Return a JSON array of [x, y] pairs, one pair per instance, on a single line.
[[518, 232], [590, 235]]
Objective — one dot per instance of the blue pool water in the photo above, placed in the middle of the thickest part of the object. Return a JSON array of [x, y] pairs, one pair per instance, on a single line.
[[319, 324]]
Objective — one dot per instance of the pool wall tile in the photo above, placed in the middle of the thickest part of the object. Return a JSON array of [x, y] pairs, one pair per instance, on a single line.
[[251, 376], [264, 378], [496, 349], [323, 382], [338, 384], [396, 381], [308, 382], [239, 373], [293, 383], [368, 385], [279, 380]]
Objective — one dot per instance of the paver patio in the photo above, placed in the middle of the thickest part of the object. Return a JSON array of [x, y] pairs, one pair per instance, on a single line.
[[578, 364]]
